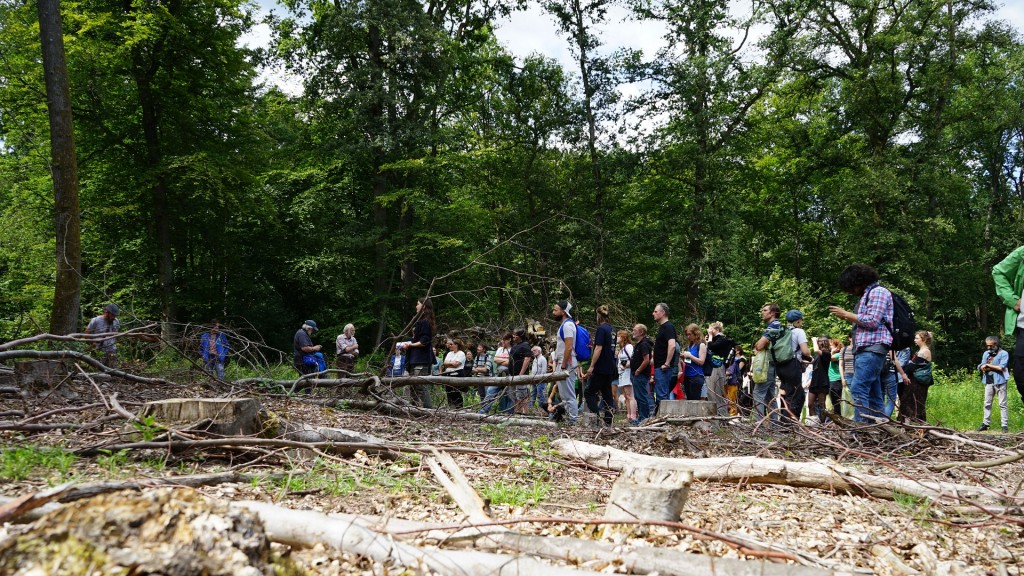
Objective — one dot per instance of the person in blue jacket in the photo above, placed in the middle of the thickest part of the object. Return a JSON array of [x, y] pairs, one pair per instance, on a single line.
[[213, 346]]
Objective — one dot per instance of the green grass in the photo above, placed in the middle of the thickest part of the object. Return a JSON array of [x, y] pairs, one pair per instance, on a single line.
[[19, 463], [957, 401], [515, 494]]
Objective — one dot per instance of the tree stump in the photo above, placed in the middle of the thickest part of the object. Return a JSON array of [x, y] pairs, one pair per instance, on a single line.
[[649, 494], [42, 378], [226, 416], [686, 408], [164, 531]]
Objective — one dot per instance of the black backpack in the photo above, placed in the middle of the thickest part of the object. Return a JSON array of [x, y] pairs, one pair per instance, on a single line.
[[903, 324]]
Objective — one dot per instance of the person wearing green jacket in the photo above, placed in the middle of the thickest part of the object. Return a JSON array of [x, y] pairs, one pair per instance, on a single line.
[[1009, 279]]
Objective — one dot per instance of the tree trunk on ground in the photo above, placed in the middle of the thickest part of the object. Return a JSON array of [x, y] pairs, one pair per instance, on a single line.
[[754, 470], [64, 171]]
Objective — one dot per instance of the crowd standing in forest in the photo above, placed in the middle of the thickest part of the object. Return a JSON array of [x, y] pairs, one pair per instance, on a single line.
[[626, 371]]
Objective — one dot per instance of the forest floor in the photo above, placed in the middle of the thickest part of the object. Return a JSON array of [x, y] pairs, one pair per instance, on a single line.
[[522, 478]]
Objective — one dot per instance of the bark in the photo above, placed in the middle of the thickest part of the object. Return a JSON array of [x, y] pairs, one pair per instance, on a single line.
[[63, 170], [79, 357], [754, 470]]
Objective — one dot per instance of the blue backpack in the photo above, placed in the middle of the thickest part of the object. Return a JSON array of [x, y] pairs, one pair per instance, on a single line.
[[315, 359], [581, 344]]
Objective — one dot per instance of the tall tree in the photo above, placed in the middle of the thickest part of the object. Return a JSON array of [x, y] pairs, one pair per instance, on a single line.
[[64, 169]]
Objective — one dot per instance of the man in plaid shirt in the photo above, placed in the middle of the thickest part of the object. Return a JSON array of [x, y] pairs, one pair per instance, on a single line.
[[872, 337]]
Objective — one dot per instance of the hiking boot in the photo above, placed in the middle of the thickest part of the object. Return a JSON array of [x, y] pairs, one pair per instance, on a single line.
[[1005, 429], [983, 427]]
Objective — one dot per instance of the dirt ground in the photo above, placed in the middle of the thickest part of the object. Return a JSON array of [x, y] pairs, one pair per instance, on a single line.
[[515, 469]]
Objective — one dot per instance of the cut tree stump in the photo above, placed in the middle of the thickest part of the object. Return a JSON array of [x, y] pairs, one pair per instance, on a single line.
[[686, 408], [649, 494], [226, 416], [42, 378]]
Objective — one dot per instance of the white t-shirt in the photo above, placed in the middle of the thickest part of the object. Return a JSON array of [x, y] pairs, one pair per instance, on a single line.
[[799, 337], [565, 331], [456, 356]]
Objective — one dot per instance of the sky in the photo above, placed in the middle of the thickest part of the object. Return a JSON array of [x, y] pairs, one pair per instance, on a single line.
[[532, 31]]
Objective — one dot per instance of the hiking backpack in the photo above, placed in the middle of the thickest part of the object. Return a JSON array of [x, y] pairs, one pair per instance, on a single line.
[[903, 324], [781, 345], [581, 343]]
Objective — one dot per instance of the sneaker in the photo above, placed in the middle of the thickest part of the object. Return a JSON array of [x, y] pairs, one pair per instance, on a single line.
[[983, 427], [1005, 429]]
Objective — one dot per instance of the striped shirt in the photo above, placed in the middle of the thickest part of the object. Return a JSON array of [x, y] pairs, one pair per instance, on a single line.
[[874, 317]]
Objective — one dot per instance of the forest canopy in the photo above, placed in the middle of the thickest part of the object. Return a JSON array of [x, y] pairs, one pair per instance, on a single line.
[[753, 159]]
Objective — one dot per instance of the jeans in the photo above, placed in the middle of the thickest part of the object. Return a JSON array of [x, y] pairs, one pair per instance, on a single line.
[[567, 392], [764, 396], [664, 381], [642, 393], [890, 388], [693, 386], [537, 396], [493, 392], [866, 387], [215, 368]]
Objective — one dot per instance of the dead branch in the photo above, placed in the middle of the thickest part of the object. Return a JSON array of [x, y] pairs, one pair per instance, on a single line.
[[82, 337], [754, 470], [72, 355]]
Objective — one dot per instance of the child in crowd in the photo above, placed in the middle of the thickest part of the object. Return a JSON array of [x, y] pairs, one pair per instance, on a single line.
[[993, 375]]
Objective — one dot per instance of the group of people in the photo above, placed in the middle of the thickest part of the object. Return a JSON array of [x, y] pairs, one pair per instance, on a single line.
[[704, 365]]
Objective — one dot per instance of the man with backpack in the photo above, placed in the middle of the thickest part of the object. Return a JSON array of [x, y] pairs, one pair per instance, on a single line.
[[764, 392], [872, 337], [565, 356], [666, 361]]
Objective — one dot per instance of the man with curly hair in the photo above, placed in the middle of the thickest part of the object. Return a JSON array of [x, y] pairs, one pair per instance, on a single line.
[[872, 337]]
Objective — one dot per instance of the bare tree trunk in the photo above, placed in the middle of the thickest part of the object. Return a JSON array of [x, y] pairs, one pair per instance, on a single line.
[[64, 171]]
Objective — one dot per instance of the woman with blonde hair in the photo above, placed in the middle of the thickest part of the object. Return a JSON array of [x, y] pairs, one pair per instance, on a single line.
[[695, 353], [918, 369], [625, 343]]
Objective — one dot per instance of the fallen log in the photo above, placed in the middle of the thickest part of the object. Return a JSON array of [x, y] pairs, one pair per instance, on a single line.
[[72, 355], [754, 470], [637, 560], [409, 411], [344, 448], [401, 381], [307, 529]]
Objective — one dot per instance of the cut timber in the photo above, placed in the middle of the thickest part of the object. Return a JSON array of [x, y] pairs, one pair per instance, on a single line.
[[227, 416], [686, 408], [822, 475], [649, 494], [43, 377]]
